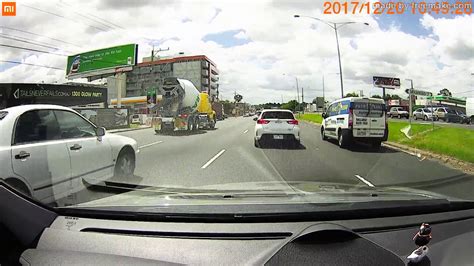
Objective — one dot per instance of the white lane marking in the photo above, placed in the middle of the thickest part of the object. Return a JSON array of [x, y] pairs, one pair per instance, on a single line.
[[213, 159], [246, 131], [151, 144], [365, 181]]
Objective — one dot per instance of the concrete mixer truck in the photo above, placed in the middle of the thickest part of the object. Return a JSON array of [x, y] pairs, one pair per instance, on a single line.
[[180, 106]]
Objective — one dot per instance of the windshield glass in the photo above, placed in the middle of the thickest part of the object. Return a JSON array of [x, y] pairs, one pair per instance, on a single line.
[[277, 115], [132, 105]]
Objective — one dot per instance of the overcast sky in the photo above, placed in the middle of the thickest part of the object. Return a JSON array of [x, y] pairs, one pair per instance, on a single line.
[[252, 42]]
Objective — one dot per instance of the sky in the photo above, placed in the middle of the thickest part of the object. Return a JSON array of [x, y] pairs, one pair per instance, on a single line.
[[258, 46]]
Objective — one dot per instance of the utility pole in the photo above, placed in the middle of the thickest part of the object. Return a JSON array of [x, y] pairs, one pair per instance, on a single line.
[[302, 97], [157, 51], [297, 95]]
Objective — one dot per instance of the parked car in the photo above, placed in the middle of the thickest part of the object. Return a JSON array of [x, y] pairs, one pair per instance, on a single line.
[[355, 118], [423, 113], [276, 124], [447, 115], [398, 112], [46, 151], [464, 118]]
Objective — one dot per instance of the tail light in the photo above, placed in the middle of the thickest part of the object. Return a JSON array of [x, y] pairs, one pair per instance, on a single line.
[[350, 117], [293, 122], [262, 121]]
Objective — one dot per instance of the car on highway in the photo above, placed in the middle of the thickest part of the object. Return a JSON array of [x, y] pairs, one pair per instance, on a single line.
[[355, 118], [278, 125], [398, 112], [50, 148], [423, 113]]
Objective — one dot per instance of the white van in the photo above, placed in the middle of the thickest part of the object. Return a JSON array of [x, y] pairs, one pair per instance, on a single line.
[[470, 109], [356, 118]]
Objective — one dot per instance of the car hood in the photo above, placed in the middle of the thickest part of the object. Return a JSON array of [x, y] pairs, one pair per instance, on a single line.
[[257, 193]]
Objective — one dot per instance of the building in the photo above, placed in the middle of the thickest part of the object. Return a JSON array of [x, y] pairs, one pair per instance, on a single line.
[[148, 75]]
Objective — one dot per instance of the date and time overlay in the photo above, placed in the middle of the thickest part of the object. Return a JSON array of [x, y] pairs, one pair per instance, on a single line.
[[398, 7]]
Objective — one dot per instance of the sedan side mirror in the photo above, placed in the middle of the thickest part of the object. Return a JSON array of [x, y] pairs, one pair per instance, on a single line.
[[324, 115], [100, 131], [255, 118]]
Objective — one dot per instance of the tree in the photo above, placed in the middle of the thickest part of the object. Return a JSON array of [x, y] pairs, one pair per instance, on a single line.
[[352, 94], [395, 97], [291, 105], [445, 92], [377, 96]]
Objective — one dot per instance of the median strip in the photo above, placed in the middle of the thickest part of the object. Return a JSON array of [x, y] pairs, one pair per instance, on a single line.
[[365, 181], [151, 144], [213, 159]]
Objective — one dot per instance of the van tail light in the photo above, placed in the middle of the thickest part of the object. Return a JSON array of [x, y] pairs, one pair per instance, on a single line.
[[262, 121], [293, 122], [350, 117]]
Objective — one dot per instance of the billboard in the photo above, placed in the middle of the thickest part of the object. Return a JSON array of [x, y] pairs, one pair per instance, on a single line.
[[102, 61], [385, 82], [13, 94]]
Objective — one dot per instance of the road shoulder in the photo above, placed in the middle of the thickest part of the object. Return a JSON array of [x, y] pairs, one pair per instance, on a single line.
[[448, 161]]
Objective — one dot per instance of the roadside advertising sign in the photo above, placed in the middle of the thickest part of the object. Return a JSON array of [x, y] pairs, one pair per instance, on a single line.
[[101, 61], [386, 82]]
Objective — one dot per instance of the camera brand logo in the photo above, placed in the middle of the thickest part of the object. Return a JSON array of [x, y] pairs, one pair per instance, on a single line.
[[9, 9]]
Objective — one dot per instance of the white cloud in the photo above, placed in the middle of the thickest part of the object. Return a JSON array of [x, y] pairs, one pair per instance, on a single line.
[[241, 35], [279, 44]]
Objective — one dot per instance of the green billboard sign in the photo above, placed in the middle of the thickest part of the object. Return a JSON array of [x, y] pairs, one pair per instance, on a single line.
[[102, 59]]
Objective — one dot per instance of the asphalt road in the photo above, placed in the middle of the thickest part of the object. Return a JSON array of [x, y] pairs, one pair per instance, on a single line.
[[227, 155]]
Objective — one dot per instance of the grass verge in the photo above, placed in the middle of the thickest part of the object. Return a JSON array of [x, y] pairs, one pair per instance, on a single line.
[[316, 118], [450, 141]]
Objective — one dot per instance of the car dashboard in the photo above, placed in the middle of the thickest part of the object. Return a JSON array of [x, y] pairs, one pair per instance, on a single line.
[[51, 238]]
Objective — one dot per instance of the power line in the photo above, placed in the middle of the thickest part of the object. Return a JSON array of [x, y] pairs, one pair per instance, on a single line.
[[29, 42], [91, 17], [63, 17], [463, 92], [30, 49], [28, 64], [39, 35], [26, 39]]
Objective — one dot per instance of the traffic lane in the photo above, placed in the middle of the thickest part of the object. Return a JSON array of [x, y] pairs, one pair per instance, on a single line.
[[325, 161], [164, 160], [438, 123], [179, 159]]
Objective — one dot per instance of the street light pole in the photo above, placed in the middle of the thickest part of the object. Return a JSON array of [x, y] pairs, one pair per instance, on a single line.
[[410, 104], [335, 26], [339, 57]]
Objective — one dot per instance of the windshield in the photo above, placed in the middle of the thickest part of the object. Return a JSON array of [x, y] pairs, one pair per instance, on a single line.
[[134, 105]]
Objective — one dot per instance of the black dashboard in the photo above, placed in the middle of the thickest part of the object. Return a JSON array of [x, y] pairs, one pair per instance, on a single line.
[[48, 237]]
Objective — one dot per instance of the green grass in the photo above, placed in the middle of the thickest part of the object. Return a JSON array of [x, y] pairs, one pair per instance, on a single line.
[[451, 141], [316, 118], [134, 125]]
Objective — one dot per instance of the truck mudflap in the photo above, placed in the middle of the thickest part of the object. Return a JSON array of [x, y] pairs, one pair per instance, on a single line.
[[160, 123]]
